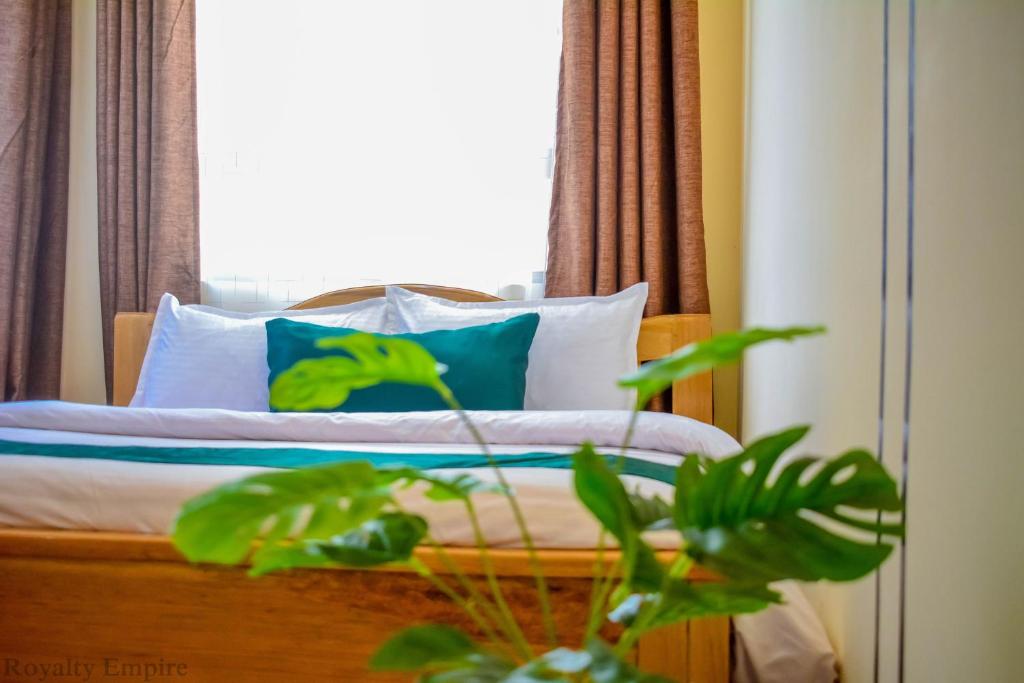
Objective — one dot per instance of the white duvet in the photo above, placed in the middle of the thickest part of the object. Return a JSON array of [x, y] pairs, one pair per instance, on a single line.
[[53, 492]]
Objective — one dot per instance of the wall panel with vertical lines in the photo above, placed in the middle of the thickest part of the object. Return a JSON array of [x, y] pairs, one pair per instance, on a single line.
[[883, 198]]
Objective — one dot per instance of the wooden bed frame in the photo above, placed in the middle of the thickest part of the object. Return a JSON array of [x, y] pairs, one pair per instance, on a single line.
[[124, 602]]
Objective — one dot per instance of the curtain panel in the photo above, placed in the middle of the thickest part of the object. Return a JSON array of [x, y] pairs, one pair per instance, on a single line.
[[35, 91], [147, 157], [626, 201]]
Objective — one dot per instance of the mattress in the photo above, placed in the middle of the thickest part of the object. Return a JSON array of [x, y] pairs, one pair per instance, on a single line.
[[119, 495]]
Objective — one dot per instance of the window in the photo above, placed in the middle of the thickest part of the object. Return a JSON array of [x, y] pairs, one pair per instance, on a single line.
[[346, 143]]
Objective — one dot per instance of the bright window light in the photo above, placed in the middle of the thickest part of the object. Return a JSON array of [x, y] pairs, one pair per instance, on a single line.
[[345, 143]]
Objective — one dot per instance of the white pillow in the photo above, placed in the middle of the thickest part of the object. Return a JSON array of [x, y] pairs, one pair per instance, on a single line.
[[204, 357], [582, 346]]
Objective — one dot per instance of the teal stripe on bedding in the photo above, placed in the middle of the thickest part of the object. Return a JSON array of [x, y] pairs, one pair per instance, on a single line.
[[304, 457]]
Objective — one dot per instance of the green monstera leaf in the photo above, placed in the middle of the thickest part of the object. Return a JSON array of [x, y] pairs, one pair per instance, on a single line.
[[682, 600], [316, 516], [602, 492], [739, 520], [448, 654], [657, 376], [317, 502], [607, 667], [388, 537], [443, 487], [419, 647], [652, 513], [323, 383], [597, 662]]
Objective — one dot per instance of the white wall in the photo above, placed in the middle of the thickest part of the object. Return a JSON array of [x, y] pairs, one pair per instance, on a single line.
[[82, 355], [812, 243], [813, 253], [965, 600]]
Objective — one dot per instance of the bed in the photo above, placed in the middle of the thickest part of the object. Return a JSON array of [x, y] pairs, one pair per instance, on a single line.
[[83, 581]]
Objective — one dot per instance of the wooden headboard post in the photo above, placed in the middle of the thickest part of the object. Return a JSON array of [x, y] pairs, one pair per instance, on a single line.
[[659, 336], [131, 337]]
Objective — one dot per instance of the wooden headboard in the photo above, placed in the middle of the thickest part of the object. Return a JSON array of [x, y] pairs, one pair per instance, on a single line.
[[659, 335]]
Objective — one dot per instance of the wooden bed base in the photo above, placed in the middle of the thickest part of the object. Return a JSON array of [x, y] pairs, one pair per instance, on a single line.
[[94, 597], [129, 605]]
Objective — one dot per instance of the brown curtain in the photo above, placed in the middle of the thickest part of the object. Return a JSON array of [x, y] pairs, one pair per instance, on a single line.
[[35, 90], [147, 159], [626, 204]]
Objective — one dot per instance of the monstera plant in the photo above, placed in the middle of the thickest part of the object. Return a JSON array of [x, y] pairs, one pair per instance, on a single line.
[[751, 518]]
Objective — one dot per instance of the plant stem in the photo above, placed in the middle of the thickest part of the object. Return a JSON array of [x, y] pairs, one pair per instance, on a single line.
[[601, 589], [639, 626], [599, 604], [470, 609], [627, 439], [595, 584], [425, 571], [679, 568], [511, 631], [517, 513], [511, 626]]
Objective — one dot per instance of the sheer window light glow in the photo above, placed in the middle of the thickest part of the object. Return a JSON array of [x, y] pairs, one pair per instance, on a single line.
[[346, 143]]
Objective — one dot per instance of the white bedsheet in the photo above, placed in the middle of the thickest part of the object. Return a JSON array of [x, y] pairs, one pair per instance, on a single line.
[[144, 497]]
